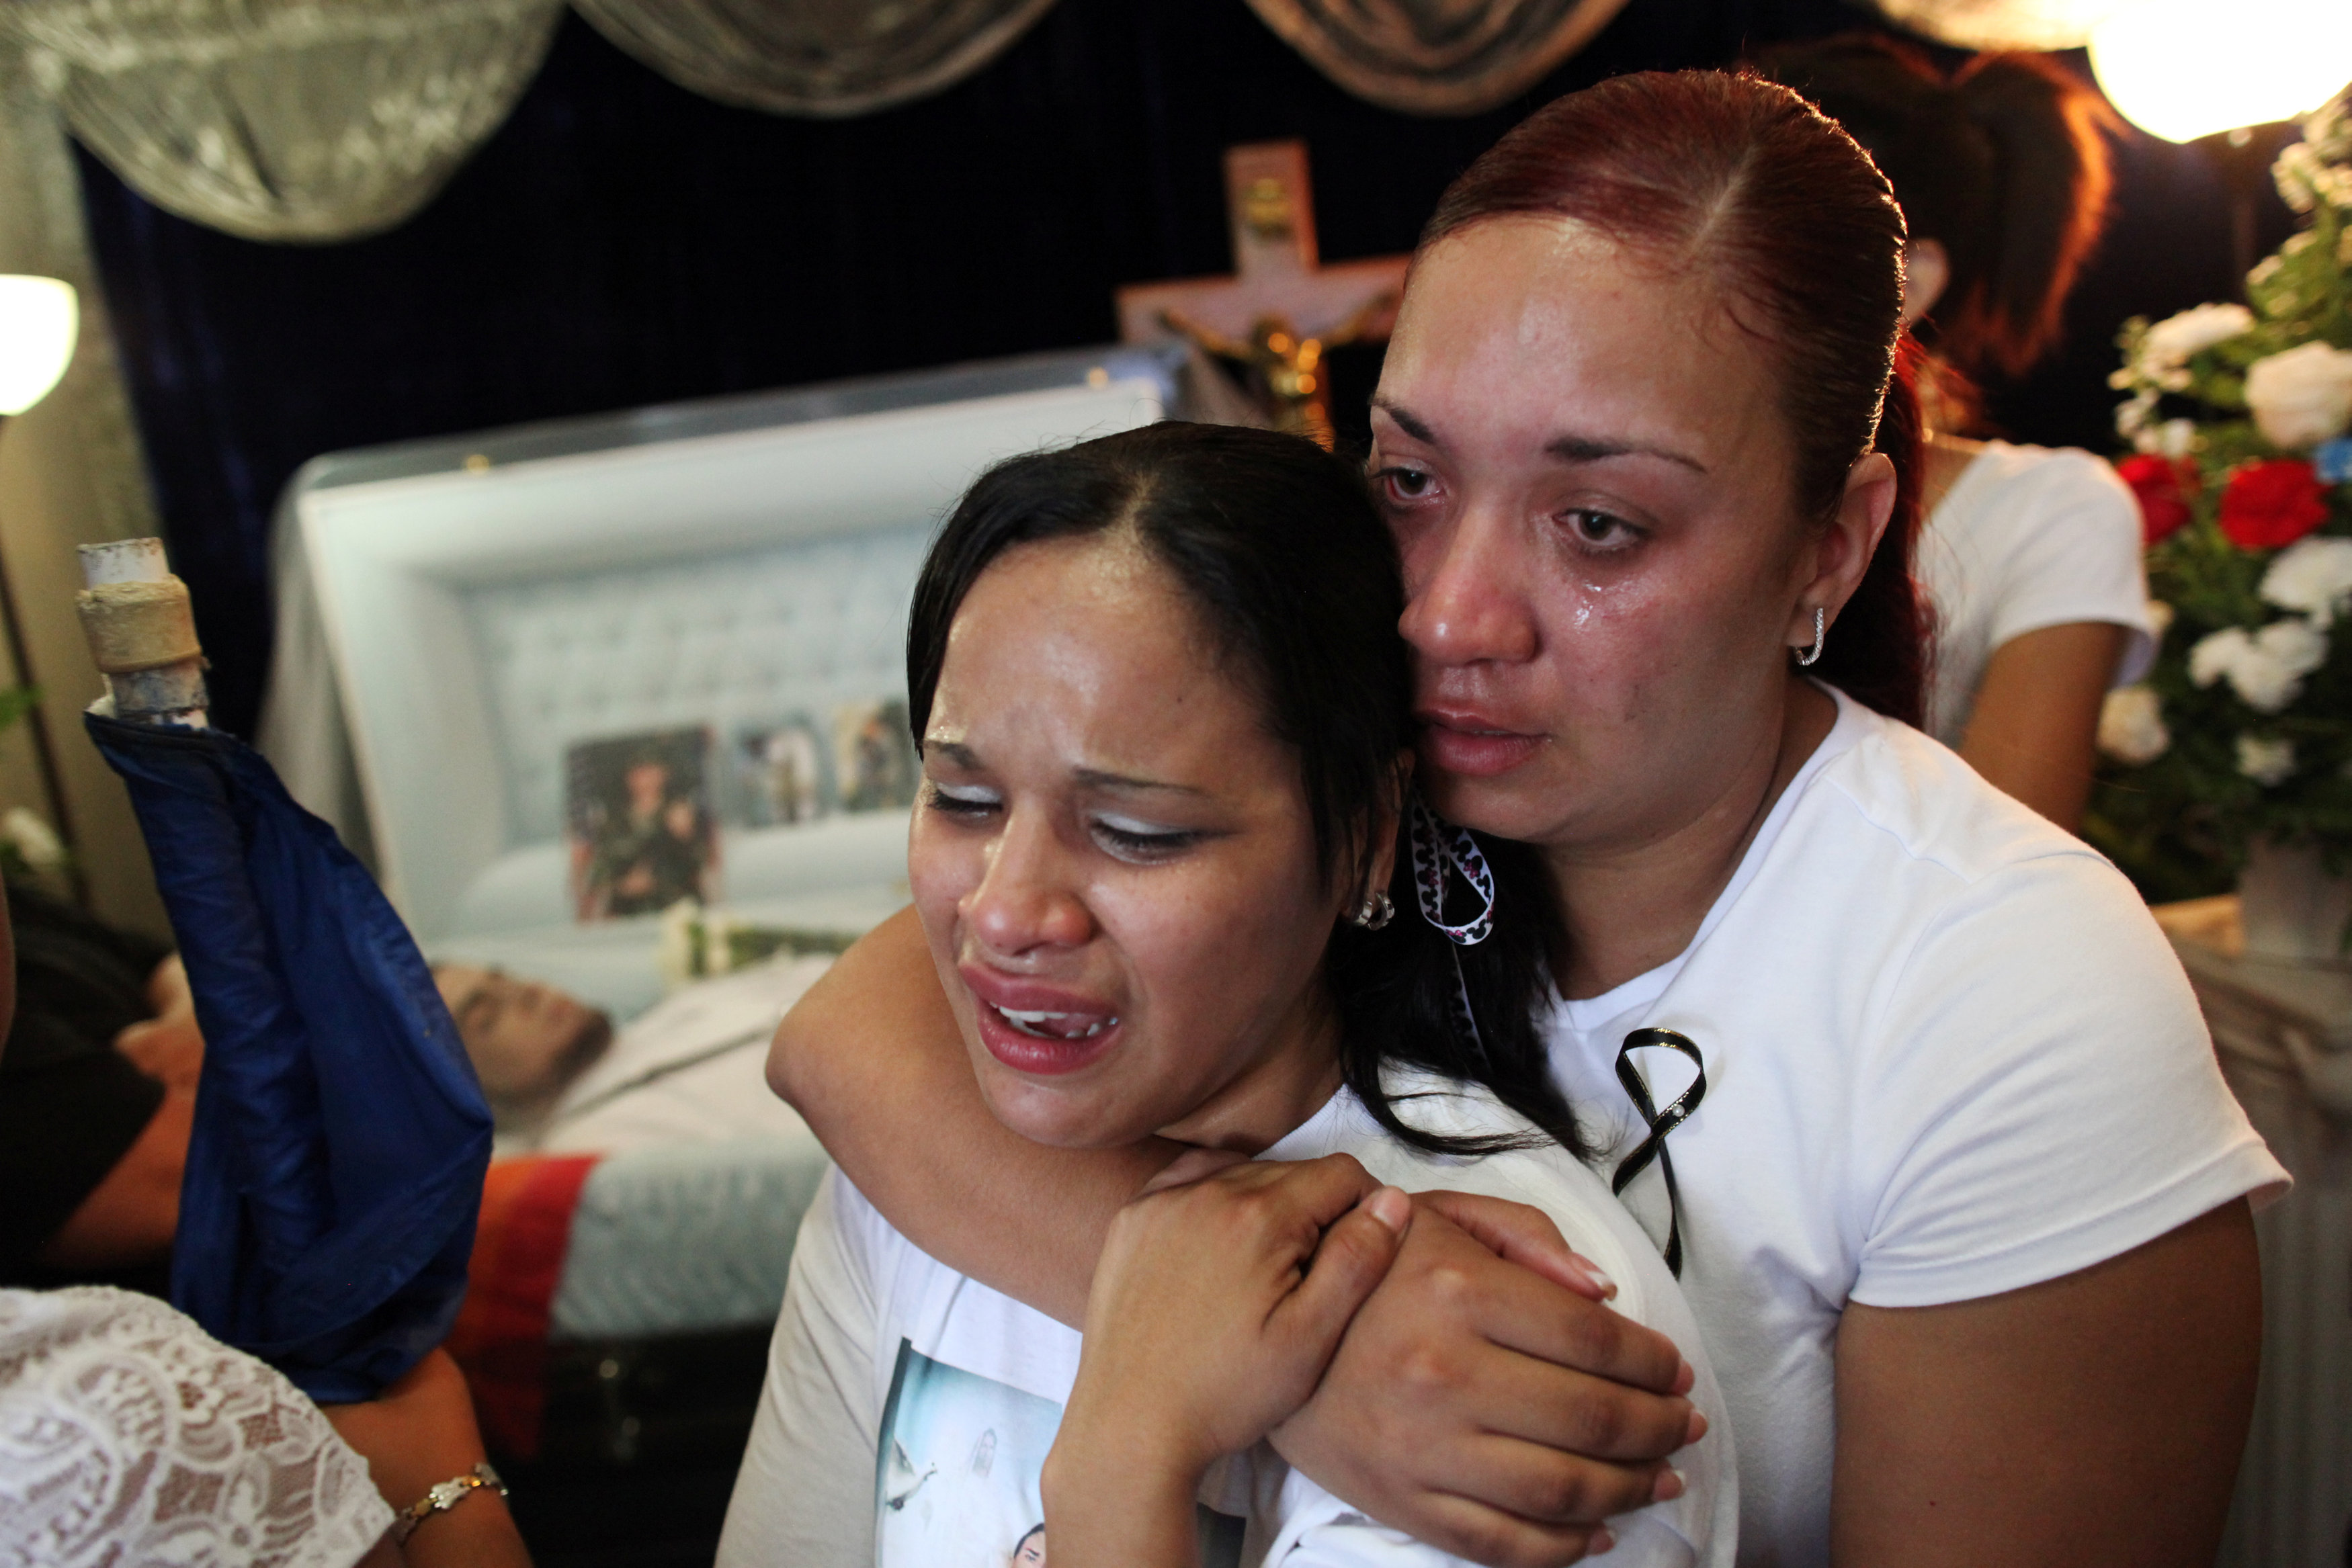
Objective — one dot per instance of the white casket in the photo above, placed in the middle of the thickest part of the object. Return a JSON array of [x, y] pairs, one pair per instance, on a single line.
[[483, 603]]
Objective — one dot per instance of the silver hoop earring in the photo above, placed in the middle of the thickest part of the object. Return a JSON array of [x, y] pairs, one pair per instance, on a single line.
[[1821, 629], [1375, 913]]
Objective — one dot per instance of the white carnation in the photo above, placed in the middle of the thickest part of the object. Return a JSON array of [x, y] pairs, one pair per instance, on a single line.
[[2312, 576], [2131, 725], [2291, 173], [2170, 342], [2266, 762], [2303, 396], [2264, 668]]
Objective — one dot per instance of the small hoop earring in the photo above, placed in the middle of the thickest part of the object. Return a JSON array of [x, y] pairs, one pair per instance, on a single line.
[[1375, 912], [1821, 630]]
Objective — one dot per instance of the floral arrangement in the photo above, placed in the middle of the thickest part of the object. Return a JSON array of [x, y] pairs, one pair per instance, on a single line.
[[2240, 421]]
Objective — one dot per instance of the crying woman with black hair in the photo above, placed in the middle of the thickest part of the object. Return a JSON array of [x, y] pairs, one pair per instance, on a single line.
[[2031, 555], [1164, 858]]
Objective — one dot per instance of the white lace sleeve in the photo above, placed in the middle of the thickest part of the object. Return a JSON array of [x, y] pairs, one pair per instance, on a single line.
[[127, 1435]]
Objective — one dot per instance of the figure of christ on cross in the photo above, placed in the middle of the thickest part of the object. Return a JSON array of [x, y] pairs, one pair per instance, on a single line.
[[1281, 311]]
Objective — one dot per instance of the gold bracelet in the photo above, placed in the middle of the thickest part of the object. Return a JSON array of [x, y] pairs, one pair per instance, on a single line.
[[442, 1498]]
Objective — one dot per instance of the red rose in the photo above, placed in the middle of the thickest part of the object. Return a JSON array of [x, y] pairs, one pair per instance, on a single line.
[[2272, 503], [2156, 481]]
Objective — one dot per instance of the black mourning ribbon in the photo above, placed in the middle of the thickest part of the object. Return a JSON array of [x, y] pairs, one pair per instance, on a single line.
[[1654, 1147]]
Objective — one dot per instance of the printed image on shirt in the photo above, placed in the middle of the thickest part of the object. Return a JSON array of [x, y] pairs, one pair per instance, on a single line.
[[956, 1478]]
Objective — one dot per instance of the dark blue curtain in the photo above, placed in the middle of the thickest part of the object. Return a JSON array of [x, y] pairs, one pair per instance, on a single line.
[[622, 241]]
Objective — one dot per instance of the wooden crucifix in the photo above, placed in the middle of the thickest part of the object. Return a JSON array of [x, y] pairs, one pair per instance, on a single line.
[[1281, 310]]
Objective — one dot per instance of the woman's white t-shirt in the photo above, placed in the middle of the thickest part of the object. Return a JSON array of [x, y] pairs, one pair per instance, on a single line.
[[1948, 1054], [908, 1408], [2027, 537]]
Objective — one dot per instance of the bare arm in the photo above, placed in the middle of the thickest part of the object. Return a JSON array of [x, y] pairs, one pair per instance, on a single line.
[[417, 1434], [872, 1058], [2095, 1419], [2036, 716]]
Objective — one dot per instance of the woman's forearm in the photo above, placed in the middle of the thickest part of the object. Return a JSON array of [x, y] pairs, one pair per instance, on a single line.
[[873, 1059]]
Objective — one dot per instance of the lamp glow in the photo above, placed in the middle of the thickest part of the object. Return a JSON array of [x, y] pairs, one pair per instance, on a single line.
[[39, 319], [2179, 70]]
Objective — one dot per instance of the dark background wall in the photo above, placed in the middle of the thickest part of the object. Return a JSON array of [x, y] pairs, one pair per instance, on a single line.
[[620, 241]]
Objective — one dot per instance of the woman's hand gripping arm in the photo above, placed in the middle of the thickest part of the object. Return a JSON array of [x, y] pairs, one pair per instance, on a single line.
[[1213, 1311], [1484, 1401]]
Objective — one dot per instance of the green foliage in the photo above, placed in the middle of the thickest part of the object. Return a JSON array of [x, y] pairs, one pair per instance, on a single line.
[[16, 702]]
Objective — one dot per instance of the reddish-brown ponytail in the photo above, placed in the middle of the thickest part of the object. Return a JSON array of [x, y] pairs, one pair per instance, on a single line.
[[1744, 181], [2004, 163]]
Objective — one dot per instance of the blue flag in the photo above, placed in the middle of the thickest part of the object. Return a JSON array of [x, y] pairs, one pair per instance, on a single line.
[[335, 1171]]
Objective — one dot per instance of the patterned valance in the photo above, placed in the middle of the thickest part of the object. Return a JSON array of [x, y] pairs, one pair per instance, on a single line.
[[1437, 57], [824, 57]]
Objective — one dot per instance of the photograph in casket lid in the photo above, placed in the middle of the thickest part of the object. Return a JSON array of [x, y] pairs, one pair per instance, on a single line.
[[638, 823]]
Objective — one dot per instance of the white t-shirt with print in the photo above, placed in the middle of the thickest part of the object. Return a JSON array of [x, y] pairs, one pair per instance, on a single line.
[[1948, 1054], [908, 1408], [2027, 537]]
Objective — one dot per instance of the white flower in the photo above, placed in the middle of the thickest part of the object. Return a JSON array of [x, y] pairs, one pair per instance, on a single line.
[[2175, 438], [2132, 416], [2170, 342], [2265, 668], [2131, 725], [2303, 396], [2293, 175], [2216, 653], [35, 840], [2159, 619], [2328, 129], [2266, 762], [2314, 576]]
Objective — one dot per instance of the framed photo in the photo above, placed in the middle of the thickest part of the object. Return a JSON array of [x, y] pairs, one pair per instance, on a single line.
[[781, 773], [874, 756], [638, 823]]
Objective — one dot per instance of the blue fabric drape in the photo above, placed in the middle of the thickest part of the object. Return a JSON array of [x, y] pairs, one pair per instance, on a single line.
[[335, 1170]]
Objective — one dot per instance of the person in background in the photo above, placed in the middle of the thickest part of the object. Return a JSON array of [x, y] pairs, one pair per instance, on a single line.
[[2030, 555], [97, 1098], [128, 1434], [98, 1088]]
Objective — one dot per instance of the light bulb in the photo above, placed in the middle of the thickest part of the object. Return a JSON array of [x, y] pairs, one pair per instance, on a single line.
[[38, 317], [2184, 69]]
